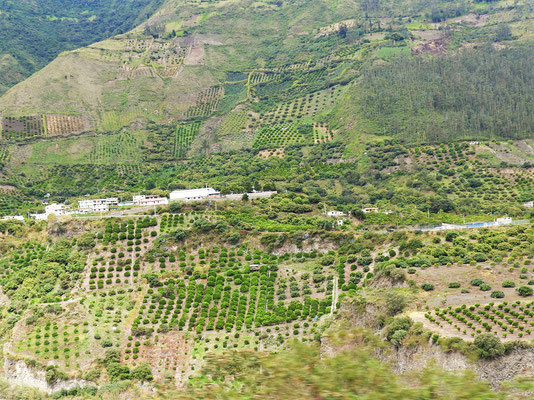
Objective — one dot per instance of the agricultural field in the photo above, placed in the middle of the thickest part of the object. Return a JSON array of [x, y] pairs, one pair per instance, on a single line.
[[112, 121], [265, 154], [206, 103], [185, 134], [509, 321], [321, 133], [4, 153], [122, 148], [308, 106], [140, 71], [279, 136], [13, 128], [234, 123], [9, 204], [65, 124]]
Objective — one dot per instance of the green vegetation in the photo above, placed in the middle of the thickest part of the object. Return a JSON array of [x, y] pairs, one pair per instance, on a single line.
[[33, 35], [394, 136]]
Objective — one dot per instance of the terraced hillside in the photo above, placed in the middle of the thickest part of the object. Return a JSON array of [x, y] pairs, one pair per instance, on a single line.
[[157, 298], [294, 62]]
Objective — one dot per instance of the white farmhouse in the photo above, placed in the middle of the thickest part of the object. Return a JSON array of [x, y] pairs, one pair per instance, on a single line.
[[194, 194], [368, 210], [503, 221], [57, 209], [528, 204], [149, 200], [13, 218], [333, 214], [97, 205]]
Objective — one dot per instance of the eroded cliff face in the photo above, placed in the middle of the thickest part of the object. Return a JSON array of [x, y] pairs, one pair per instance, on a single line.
[[18, 372]]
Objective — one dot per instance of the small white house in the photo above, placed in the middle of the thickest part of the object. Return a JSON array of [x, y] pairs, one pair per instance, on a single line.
[[528, 204], [503, 221], [194, 194], [149, 200], [334, 214]]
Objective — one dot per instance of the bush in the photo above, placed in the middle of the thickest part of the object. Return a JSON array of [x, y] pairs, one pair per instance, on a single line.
[[524, 291], [398, 336], [454, 285], [489, 346], [497, 294], [477, 282], [508, 284], [142, 373], [398, 324], [485, 287], [427, 287], [179, 235]]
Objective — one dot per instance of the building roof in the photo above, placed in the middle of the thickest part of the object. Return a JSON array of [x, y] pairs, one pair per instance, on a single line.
[[194, 192]]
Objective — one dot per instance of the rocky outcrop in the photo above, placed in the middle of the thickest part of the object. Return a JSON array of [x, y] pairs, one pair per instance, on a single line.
[[518, 363], [358, 321], [19, 373]]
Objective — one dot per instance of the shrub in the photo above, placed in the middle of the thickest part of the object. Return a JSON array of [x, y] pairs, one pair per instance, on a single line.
[[398, 336], [454, 285], [427, 287], [142, 373], [524, 291], [398, 324], [497, 294], [508, 284], [477, 282], [489, 346], [485, 287]]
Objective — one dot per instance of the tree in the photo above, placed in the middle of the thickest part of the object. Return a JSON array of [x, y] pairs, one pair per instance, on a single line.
[[342, 31], [179, 235], [503, 32], [86, 241], [395, 303], [175, 207], [489, 346], [245, 197]]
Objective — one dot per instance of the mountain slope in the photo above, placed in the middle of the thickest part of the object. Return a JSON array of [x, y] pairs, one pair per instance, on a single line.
[[33, 33], [247, 83]]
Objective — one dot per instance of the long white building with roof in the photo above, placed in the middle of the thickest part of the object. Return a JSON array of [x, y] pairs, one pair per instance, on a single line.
[[194, 194]]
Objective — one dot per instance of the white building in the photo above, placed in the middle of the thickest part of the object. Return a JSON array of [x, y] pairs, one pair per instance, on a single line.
[[13, 217], [57, 209], [503, 221], [194, 194], [54, 208], [97, 205], [149, 200], [528, 204], [333, 214]]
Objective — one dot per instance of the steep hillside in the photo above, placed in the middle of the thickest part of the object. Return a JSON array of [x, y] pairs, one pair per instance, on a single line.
[[261, 73], [33, 33], [242, 95]]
